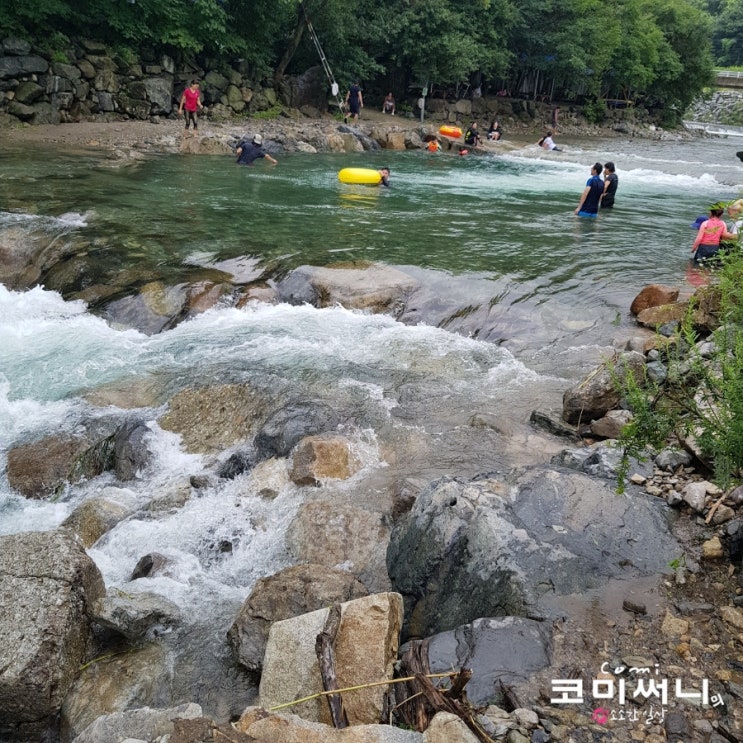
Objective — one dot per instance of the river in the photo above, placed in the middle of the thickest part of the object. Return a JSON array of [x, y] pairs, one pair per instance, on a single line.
[[522, 298]]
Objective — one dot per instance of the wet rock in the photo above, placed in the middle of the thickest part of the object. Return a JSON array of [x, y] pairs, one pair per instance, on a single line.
[[155, 308], [599, 460], [136, 616], [654, 317], [553, 424], [611, 425], [376, 288], [42, 467], [46, 584], [653, 295], [286, 426], [466, 551], [125, 680], [326, 533], [131, 451], [210, 419], [596, 394], [95, 516], [508, 649], [317, 458], [365, 652], [237, 464], [151, 565], [145, 724], [288, 593]]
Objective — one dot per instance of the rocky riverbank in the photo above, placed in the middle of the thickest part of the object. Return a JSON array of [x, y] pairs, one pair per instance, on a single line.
[[533, 571]]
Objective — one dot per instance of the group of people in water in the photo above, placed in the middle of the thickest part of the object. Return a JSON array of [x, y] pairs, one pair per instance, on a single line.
[[598, 194]]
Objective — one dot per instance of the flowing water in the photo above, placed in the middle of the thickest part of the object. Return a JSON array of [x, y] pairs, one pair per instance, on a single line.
[[521, 297]]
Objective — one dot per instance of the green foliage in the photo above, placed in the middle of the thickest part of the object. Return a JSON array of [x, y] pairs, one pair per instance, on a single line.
[[268, 114], [594, 111], [701, 398], [655, 51]]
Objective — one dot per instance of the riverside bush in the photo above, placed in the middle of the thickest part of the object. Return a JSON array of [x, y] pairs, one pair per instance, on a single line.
[[700, 403]]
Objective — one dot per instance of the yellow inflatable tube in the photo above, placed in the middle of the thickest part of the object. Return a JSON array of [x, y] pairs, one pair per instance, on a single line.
[[365, 176]]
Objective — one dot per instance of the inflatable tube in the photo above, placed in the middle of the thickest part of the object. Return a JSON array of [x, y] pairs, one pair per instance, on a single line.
[[450, 131], [365, 176]]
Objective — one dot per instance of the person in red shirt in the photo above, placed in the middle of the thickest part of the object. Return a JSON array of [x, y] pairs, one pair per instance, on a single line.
[[711, 231], [190, 104]]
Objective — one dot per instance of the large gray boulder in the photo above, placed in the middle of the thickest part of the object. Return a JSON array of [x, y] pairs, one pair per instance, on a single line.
[[47, 583], [489, 548], [379, 289], [289, 593]]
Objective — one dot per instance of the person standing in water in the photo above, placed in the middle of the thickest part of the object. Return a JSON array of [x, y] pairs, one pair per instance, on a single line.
[[588, 206], [711, 231], [189, 105], [611, 182]]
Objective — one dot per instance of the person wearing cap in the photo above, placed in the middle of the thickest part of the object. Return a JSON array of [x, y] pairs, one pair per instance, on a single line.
[[711, 231], [249, 152]]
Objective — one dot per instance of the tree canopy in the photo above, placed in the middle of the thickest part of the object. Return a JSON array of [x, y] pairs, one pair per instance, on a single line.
[[653, 51]]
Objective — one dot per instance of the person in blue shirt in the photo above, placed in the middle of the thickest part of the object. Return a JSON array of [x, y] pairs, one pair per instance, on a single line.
[[592, 193]]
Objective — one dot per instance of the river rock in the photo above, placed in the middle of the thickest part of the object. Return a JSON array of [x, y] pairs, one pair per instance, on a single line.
[[596, 394], [131, 450], [296, 590], [508, 649], [141, 724], [39, 468], [376, 288], [654, 317], [611, 425], [210, 419], [47, 583], [272, 727], [365, 651], [468, 550], [292, 422], [317, 458], [123, 681], [136, 616], [95, 516], [449, 728], [653, 295], [334, 535]]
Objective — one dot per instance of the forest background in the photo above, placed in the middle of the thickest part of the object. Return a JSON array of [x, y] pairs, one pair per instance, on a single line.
[[656, 53]]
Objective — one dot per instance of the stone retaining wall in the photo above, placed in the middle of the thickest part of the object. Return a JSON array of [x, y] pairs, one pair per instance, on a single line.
[[89, 82]]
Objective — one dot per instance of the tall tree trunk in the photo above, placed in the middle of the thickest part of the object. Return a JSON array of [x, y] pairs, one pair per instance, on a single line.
[[278, 75]]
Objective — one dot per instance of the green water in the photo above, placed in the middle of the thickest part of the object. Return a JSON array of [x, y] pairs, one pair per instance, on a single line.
[[506, 219]]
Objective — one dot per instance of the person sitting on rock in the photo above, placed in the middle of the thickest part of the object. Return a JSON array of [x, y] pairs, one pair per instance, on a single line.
[[388, 104], [472, 136]]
